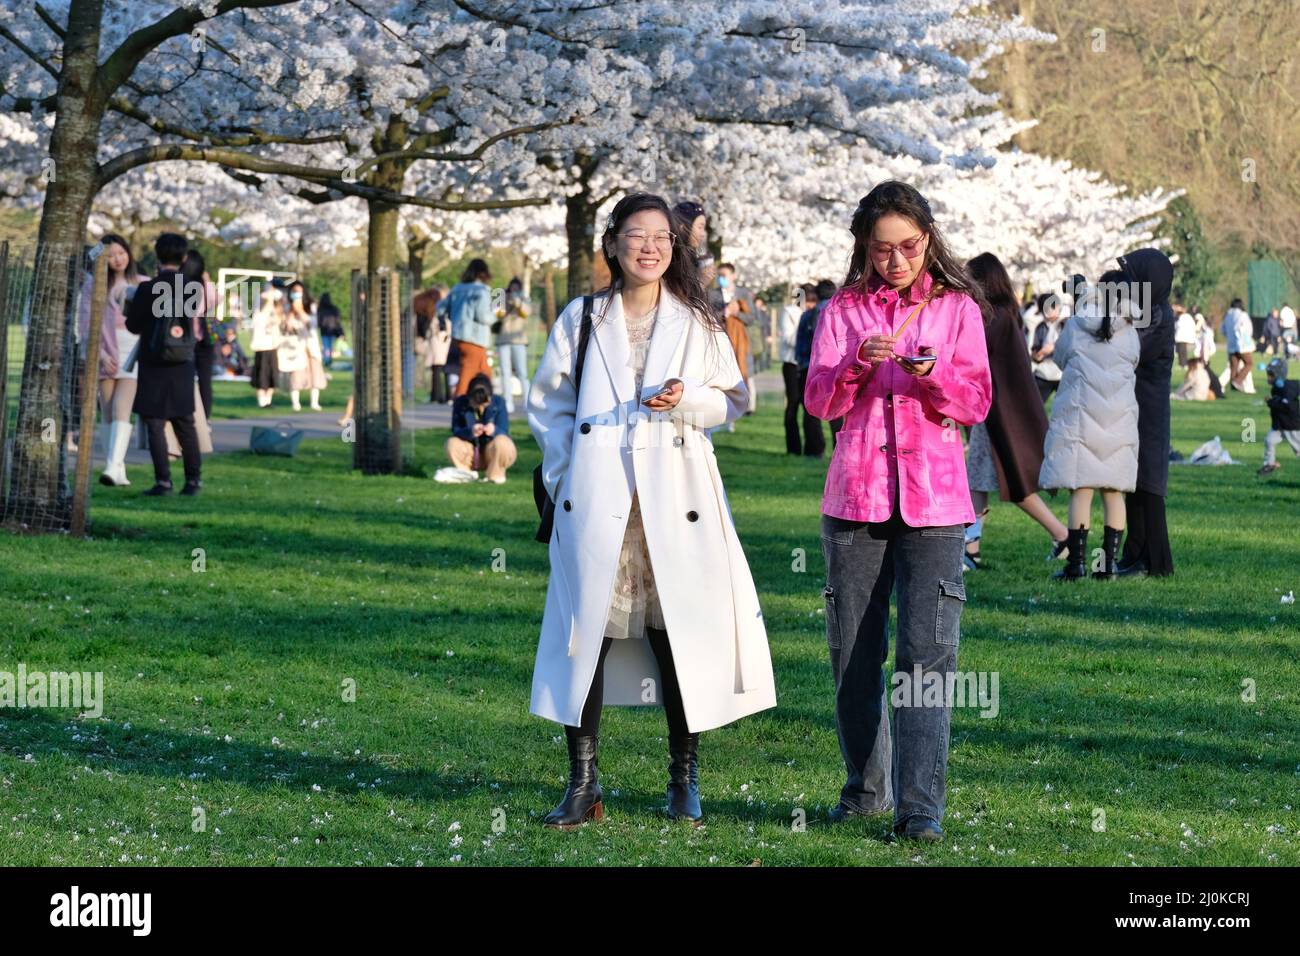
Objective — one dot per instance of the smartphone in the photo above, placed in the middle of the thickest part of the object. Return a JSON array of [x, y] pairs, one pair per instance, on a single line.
[[915, 359]]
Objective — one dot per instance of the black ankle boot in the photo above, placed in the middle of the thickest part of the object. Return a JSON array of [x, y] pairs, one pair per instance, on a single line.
[[1109, 547], [683, 777], [582, 800], [1076, 563]]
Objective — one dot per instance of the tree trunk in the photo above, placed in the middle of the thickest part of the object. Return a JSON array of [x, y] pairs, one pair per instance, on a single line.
[[378, 369], [38, 494], [580, 228], [416, 247], [548, 295], [1015, 65], [713, 239]]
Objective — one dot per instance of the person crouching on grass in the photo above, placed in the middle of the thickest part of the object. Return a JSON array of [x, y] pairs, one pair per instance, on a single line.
[[1092, 441], [899, 352], [650, 600], [480, 427]]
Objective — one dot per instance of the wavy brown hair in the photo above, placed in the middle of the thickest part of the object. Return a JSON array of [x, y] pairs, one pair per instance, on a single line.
[[994, 292], [901, 199]]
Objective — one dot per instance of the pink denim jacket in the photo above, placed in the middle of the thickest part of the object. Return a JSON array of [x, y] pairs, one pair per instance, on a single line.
[[899, 427]]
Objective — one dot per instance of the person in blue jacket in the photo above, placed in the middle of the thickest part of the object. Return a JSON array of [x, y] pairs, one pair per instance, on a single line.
[[480, 427], [469, 306]]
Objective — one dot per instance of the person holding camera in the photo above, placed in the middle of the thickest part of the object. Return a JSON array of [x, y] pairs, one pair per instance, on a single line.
[[1092, 441], [480, 427]]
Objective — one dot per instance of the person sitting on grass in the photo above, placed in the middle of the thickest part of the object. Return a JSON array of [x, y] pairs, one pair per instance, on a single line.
[[230, 353], [480, 428], [1284, 407]]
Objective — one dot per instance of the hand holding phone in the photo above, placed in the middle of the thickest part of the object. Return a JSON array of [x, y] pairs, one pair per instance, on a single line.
[[918, 364], [666, 398]]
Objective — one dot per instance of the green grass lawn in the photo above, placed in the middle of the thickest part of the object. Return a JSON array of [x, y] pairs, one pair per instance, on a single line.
[[239, 399], [224, 688]]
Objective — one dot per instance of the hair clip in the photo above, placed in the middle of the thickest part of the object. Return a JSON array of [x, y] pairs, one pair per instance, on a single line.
[[609, 222]]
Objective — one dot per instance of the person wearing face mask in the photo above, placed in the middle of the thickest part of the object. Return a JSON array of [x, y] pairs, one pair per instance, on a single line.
[[650, 599], [268, 322], [730, 291], [899, 352], [311, 375]]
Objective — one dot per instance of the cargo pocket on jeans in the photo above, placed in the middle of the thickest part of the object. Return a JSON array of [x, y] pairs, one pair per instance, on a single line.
[[832, 619], [947, 622]]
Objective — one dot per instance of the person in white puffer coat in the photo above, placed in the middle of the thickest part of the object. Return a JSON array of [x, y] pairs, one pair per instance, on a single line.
[[1092, 440]]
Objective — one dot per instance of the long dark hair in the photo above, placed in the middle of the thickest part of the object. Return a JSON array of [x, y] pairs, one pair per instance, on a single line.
[[476, 270], [682, 277], [130, 269], [192, 265], [1112, 279], [306, 296], [901, 199], [997, 296]]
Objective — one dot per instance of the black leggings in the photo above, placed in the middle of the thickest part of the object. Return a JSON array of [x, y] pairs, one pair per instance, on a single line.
[[672, 693]]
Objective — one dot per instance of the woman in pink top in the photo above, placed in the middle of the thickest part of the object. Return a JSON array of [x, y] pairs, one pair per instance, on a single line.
[[116, 380], [899, 353]]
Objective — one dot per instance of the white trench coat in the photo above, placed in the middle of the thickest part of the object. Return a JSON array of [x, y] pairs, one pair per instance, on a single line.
[[593, 457]]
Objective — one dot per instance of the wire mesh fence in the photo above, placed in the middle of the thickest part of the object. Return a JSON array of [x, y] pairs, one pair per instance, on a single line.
[[384, 371], [42, 395]]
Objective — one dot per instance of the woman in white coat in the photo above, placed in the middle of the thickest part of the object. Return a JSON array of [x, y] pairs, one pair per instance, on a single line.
[[1092, 441], [650, 600]]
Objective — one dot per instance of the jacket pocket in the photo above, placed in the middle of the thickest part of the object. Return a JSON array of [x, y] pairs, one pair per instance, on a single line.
[[947, 621], [838, 530], [832, 619]]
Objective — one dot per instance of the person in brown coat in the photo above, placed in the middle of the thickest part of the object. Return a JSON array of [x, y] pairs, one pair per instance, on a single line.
[[1006, 450]]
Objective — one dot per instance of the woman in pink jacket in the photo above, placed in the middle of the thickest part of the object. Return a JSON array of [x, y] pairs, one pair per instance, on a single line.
[[899, 353]]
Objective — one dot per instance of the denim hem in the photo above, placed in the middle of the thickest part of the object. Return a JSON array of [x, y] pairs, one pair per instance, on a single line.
[[901, 821], [852, 809]]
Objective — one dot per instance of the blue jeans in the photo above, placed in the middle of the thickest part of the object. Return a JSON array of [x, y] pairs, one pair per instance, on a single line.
[[866, 562], [514, 359]]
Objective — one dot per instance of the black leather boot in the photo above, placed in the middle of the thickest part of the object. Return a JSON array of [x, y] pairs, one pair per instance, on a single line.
[[582, 800], [683, 778], [1110, 538], [1076, 562]]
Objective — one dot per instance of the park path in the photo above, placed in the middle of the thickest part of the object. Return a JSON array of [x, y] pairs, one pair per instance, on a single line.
[[232, 434]]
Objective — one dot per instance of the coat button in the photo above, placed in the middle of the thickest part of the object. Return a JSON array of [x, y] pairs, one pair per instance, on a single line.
[[568, 505], [889, 397], [678, 441], [692, 516], [585, 427], [884, 448]]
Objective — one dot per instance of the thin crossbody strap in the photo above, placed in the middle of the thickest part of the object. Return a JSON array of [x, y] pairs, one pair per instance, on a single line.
[[584, 336]]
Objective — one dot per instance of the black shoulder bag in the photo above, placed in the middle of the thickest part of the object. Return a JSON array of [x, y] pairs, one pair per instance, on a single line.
[[546, 504]]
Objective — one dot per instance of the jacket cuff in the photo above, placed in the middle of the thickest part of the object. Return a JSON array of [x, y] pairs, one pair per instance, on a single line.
[[851, 370]]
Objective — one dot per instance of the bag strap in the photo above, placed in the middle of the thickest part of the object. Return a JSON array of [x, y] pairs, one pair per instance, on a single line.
[[913, 314], [584, 336]]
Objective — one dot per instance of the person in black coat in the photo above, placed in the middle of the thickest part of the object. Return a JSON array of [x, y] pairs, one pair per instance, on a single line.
[[165, 392], [194, 269], [1146, 550]]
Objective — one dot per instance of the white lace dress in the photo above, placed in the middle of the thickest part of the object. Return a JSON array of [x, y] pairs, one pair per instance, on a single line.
[[636, 600]]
